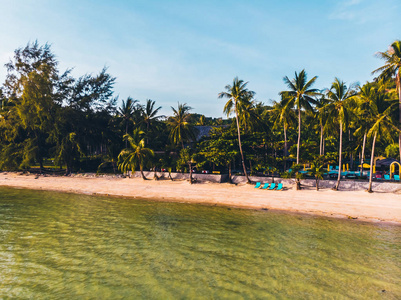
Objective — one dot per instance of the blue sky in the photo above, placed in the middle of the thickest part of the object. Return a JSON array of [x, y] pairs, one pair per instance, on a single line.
[[187, 51]]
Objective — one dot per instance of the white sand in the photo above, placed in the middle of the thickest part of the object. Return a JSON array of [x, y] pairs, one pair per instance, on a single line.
[[356, 204]]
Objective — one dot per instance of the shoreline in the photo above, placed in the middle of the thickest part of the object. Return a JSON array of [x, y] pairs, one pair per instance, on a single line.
[[378, 207]]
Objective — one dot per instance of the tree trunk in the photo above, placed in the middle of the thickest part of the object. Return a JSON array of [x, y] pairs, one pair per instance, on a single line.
[[143, 175], [339, 157], [190, 173], [155, 175], [299, 133], [323, 145], [317, 184], [285, 141], [363, 153], [398, 81], [321, 140], [285, 147], [169, 174], [126, 132], [229, 172], [371, 164], [239, 143], [147, 133]]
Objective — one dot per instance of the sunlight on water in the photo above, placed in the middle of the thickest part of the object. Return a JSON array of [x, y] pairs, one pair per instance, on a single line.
[[65, 246]]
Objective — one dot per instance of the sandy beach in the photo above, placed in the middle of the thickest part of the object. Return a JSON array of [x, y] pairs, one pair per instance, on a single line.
[[360, 205]]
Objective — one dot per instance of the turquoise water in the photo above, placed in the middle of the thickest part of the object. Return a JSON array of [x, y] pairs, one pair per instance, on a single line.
[[64, 246]]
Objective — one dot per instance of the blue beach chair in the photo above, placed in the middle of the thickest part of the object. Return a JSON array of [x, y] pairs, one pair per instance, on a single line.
[[265, 186], [272, 186], [257, 185], [279, 187], [397, 177], [386, 177]]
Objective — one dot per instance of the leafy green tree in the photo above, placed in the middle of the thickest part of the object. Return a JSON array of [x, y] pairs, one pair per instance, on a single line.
[[339, 96], [186, 157], [220, 148], [317, 171], [283, 115], [34, 87], [382, 127], [239, 101], [149, 115], [126, 112], [391, 68], [301, 96], [364, 98], [68, 151], [181, 129], [137, 154]]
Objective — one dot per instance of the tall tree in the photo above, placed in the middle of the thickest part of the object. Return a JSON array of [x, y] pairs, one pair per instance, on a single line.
[[382, 126], [301, 95], [34, 87], [391, 68], [181, 129], [149, 115], [364, 98], [283, 115], [136, 154], [339, 96], [126, 111], [239, 97]]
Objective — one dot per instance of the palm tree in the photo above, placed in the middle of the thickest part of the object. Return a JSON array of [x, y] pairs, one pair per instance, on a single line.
[[180, 127], [322, 118], [364, 99], [149, 115], [317, 171], [339, 96], [300, 95], [382, 126], [391, 68], [126, 112], [137, 154], [282, 114], [239, 100]]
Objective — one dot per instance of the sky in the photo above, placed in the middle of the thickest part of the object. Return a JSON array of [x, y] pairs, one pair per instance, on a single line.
[[188, 51]]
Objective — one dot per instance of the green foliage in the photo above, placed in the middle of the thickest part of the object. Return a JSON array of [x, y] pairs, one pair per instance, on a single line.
[[136, 155], [392, 150]]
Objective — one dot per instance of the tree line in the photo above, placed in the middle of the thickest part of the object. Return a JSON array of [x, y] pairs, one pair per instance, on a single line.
[[49, 117]]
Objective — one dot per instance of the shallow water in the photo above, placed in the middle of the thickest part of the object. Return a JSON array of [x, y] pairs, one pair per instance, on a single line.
[[64, 246]]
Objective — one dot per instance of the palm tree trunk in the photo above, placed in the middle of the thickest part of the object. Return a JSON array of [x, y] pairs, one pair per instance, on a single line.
[[147, 133], [190, 173], [285, 141], [141, 169], [371, 164], [299, 133], [323, 145], [363, 153], [317, 184], [240, 146], [321, 140], [169, 174], [339, 157], [398, 81], [285, 147], [126, 132], [229, 172]]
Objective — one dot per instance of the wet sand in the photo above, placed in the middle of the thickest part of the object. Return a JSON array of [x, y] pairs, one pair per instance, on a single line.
[[360, 205]]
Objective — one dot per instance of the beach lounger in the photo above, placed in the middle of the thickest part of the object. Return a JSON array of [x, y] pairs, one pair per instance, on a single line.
[[272, 186], [279, 187], [257, 185], [386, 177], [265, 186], [397, 177]]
